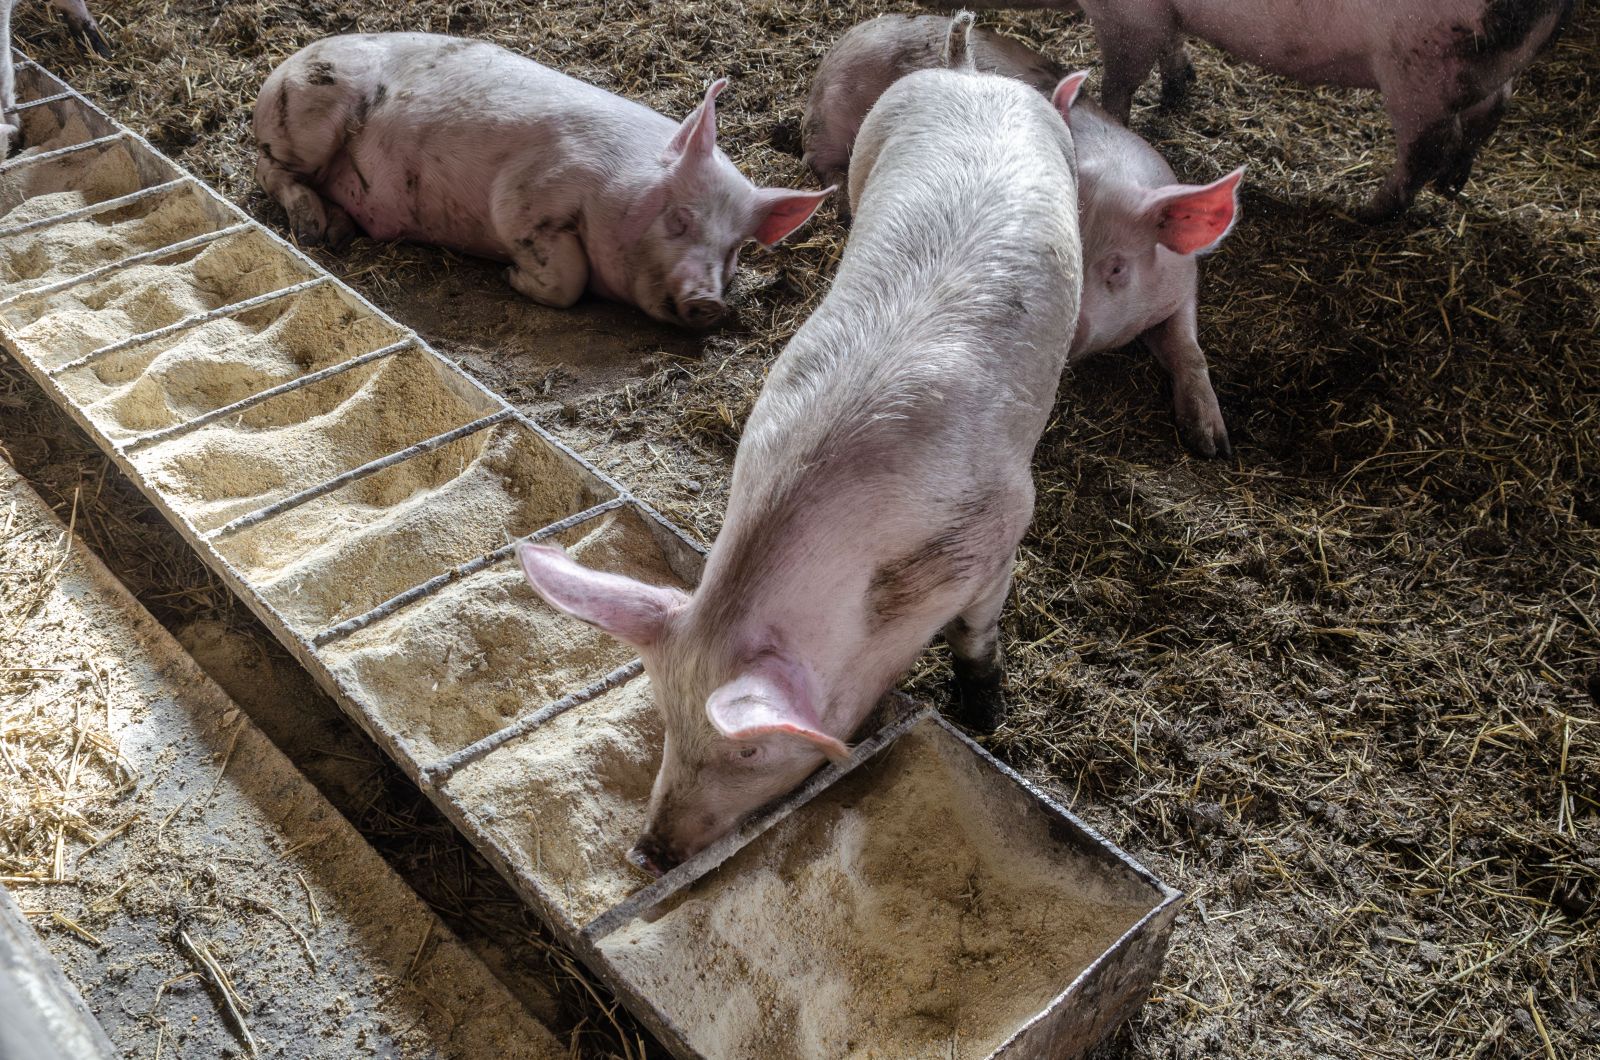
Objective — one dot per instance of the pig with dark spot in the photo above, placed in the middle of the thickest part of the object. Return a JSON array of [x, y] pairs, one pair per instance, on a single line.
[[1142, 230], [883, 479], [1445, 67], [465, 144]]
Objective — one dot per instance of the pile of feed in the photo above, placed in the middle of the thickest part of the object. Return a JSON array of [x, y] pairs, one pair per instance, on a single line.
[[296, 440], [71, 248], [29, 192], [466, 661], [1336, 689], [344, 553], [171, 380], [568, 799], [916, 909], [60, 327]]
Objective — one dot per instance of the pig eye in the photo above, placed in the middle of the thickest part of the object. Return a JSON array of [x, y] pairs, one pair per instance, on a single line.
[[749, 752], [1115, 272]]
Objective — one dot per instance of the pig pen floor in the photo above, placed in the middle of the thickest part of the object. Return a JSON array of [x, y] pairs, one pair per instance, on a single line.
[[1344, 690]]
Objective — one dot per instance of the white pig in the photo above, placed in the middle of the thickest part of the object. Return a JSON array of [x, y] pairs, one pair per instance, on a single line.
[[882, 482], [1445, 67], [1142, 230], [82, 25], [465, 144]]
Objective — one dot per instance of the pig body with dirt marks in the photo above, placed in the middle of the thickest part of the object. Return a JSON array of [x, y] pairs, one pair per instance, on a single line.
[[75, 13], [1142, 229], [465, 144], [1445, 67], [883, 481]]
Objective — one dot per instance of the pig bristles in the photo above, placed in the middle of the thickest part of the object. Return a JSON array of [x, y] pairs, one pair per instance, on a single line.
[[1254, 671], [958, 45]]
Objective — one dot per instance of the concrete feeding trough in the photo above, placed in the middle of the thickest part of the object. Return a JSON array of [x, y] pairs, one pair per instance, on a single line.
[[363, 496]]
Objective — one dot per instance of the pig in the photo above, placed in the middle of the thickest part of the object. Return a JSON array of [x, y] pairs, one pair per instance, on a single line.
[[1140, 277], [1445, 67], [465, 144], [882, 482], [82, 26]]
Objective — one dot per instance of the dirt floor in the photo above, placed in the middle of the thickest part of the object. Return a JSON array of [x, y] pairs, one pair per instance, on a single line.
[[1343, 689]]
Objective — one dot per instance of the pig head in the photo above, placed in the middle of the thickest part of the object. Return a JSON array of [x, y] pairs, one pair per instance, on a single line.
[[742, 724], [669, 241]]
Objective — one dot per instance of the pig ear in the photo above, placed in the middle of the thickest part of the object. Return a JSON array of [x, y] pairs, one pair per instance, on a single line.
[[629, 610], [779, 212], [759, 703], [1066, 93], [697, 136], [1193, 220]]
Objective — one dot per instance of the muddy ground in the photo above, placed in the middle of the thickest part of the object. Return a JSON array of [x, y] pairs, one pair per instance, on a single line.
[[1343, 689]]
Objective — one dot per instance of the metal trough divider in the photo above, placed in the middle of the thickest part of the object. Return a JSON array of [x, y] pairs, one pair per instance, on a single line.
[[1111, 986]]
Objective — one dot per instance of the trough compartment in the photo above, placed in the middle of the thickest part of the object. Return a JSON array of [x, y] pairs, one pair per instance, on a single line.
[[364, 496]]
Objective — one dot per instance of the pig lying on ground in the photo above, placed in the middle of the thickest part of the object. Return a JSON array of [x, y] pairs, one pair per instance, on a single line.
[[882, 482], [83, 27], [465, 144], [1445, 67], [1139, 278]]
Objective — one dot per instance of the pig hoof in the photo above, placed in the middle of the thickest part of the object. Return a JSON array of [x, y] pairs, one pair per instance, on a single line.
[[1380, 209], [1207, 441], [980, 698], [1175, 89], [340, 229]]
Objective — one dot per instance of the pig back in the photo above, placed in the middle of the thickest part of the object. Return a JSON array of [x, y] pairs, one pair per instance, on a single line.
[[957, 294]]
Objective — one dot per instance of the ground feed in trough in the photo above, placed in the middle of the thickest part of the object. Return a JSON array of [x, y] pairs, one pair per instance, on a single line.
[[362, 495]]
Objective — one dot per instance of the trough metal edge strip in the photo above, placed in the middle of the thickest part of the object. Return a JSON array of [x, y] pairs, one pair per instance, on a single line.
[[461, 570], [440, 772], [14, 164], [190, 321], [243, 404], [128, 262], [105, 206], [703, 863], [42, 100], [371, 467]]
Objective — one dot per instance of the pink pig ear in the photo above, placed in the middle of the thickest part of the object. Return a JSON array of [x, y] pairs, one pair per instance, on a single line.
[[629, 610], [1193, 220], [1066, 93], [762, 702], [697, 136], [779, 211]]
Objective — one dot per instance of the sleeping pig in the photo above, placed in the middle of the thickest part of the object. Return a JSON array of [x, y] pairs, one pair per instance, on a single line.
[[465, 144], [1445, 67], [1140, 276], [882, 482]]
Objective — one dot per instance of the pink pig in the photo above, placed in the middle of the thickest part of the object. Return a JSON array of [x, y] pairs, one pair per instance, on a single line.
[[883, 480], [1142, 230], [465, 144]]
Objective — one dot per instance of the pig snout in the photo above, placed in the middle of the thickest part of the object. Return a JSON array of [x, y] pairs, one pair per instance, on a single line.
[[652, 854], [700, 312]]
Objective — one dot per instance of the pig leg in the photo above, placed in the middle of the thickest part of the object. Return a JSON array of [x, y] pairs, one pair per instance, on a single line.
[[1175, 343], [75, 13], [979, 665], [1130, 49], [1177, 74], [550, 266], [1478, 123], [8, 82], [312, 218]]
